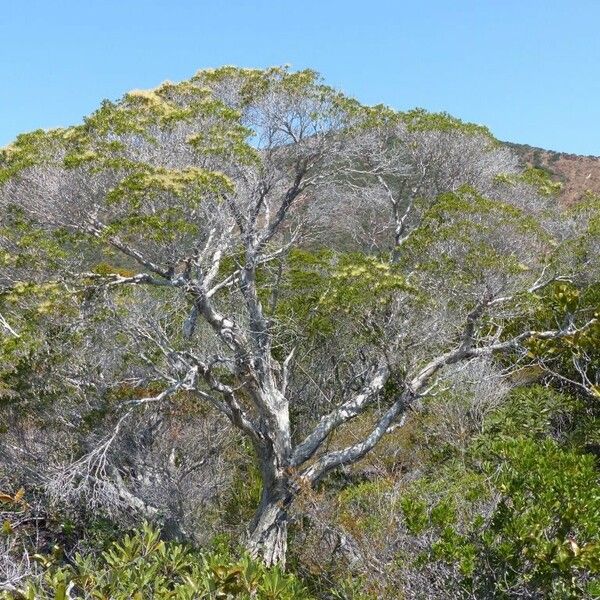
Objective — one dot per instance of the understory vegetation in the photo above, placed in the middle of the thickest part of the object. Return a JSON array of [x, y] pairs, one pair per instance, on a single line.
[[258, 340]]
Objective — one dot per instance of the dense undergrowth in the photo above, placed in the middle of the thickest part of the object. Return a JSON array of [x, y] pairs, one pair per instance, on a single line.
[[513, 511]]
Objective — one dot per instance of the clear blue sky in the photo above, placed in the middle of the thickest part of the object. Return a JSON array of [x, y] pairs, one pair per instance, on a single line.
[[528, 69]]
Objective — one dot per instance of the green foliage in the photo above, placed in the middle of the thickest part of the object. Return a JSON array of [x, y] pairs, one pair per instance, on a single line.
[[163, 226], [321, 286], [461, 239], [575, 357], [536, 412], [188, 185], [543, 532], [536, 177], [104, 268], [244, 496], [304, 86], [547, 527], [37, 314], [361, 507], [255, 83], [142, 566], [419, 119], [352, 588], [26, 246], [415, 514], [27, 150], [164, 106], [456, 548], [542, 180]]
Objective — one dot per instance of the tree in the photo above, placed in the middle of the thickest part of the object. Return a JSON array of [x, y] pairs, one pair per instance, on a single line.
[[183, 215]]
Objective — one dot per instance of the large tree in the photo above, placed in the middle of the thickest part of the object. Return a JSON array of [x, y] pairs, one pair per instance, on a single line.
[[188, 229]]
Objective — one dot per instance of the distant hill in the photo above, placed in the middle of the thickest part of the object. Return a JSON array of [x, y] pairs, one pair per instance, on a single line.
[[578, 174]]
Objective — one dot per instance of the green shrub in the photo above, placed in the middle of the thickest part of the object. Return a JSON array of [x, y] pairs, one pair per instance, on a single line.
[[364, 507], [536, 412], [141, 566], [545, 531], [520, 516]]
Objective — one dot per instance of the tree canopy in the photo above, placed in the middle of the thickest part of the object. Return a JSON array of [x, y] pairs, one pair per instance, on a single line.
[[251, 255]]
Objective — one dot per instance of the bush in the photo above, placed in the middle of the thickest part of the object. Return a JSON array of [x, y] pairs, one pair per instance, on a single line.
[[528, 518], [545, 533], [141, 566]]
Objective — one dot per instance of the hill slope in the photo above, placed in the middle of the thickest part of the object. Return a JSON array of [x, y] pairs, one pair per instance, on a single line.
[[578, 174]]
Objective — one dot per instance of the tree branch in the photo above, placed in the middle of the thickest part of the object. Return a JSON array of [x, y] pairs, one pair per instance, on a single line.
[[344, 413], [97, 229]]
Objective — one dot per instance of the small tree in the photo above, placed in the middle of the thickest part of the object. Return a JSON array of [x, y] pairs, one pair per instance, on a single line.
[[184, 215]]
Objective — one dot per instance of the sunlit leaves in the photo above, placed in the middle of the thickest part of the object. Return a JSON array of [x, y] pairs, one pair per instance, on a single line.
[[468, 238], [419, 119], [142, 565], [538, 178], [320, 285], [189, 186]]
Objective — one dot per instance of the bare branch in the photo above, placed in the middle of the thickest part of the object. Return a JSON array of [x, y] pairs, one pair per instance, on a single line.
[[344, 413]]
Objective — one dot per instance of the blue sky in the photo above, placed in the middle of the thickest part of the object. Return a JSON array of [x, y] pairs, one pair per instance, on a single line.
[[528, 69]]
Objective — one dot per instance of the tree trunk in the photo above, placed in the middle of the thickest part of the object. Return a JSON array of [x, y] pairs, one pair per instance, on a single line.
[[268, 536]]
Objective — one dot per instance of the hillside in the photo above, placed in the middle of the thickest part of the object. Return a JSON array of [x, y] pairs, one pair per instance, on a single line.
[[578, 174]]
